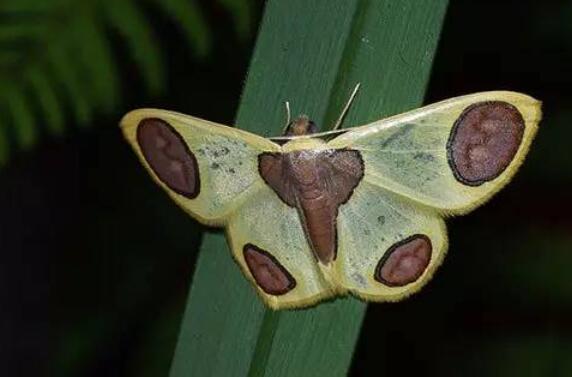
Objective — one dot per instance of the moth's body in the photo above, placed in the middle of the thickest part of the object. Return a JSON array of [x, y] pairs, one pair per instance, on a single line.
[[308, 180], [309, 145], [362, 212], [316, 180]]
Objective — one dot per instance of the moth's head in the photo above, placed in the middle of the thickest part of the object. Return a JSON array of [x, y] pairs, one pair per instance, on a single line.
[[301, 126]]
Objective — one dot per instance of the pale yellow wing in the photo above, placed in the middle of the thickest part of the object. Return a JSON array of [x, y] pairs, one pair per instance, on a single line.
[[452, 155], [211, 171], [268, 242], [389, 247], [207, 168]]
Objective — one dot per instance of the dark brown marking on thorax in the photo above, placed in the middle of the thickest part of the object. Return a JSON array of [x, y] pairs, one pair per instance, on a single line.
[[405, 261], [316, 183], [484, 140], [169, 157], [269, 274]]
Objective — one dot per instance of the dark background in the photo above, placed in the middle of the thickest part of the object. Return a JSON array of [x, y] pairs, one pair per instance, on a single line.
[[95, 261]]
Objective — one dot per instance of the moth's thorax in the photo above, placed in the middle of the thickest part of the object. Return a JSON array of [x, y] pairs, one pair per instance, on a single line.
[[309, 144], [306, 166]]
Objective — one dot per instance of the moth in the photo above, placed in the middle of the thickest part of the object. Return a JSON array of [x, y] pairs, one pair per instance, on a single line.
[[310, 216]]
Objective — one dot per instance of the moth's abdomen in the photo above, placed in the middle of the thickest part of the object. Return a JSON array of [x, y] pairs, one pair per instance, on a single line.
[[320, 223]]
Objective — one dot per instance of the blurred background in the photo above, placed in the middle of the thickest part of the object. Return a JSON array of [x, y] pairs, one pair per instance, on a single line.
[[95, 261]]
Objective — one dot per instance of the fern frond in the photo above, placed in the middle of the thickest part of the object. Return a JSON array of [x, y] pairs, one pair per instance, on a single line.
[[56, 54], [68, 76], [192, 22], [4, 147], [131, 24], [242, 13], [92, 50], [50, 106], [26, 132]]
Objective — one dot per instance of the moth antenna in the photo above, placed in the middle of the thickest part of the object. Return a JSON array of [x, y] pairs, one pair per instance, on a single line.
[[288, 117], [346, 108]]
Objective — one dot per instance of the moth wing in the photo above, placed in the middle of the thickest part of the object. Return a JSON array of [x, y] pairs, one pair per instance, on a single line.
[[207, 168], [269, 244], [389, 246], [452, 155]]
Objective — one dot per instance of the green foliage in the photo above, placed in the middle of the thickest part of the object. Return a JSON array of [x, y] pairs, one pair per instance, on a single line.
[[56, 54]]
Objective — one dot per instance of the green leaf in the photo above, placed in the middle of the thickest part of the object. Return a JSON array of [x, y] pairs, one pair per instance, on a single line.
[[95, 56], [312, 54], [67, 74], [49, 103], [9, 58], [191, 20], [68, 39], [30, 6], [25, 130], [241, 11], [127, 18], [4, 147], [19, 31]]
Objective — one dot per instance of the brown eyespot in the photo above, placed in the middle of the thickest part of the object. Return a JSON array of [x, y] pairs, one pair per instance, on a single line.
[[169, 157], [484, 140], [405, 261], [268, 273]]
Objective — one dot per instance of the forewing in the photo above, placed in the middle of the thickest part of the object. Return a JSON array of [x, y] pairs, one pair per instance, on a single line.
[[268, 242], [389, 247], [452, 155], [207, 168]]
